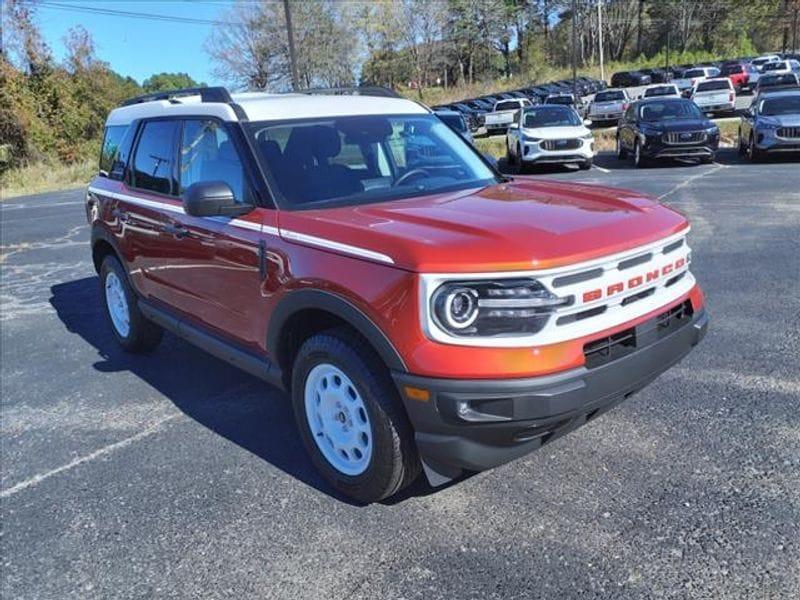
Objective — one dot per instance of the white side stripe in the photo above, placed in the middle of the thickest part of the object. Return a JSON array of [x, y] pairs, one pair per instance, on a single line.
[[268, 229], [346, 248]]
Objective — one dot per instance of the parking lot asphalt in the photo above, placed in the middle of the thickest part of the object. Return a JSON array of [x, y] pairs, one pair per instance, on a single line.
[[175, 475]]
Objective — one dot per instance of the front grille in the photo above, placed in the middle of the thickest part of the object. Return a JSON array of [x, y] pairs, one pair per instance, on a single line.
[[561, 144], [613, 347], [684, 137], [789, 132]]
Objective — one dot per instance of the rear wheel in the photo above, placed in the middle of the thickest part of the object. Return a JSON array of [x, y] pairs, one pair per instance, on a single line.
[[351, 418], [132, 330]]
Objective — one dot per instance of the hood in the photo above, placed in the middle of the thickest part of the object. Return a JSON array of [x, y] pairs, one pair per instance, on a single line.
[[504, 227], [782, 120], [555, 133], [679, 125]]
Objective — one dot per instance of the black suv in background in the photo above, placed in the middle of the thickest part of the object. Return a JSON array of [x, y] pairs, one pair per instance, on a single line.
[[630, 79], [666, 128]]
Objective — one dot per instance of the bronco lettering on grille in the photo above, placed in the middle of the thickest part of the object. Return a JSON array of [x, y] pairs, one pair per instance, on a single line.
[[633, 282]]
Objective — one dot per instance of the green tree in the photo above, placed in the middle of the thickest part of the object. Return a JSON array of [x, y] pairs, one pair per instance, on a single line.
[[161, 82]]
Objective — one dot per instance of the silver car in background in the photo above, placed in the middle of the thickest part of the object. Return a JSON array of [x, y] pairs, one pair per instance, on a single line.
[[771, 125], [608, 105]]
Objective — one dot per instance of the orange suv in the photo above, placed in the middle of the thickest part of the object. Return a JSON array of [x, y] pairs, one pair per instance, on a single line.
[[423, 311]]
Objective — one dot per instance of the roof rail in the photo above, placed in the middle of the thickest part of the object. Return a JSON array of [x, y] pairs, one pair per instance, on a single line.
[[207, 94], [366, 90]]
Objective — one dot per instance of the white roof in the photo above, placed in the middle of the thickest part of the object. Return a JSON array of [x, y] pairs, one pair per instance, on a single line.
[[260, 106]]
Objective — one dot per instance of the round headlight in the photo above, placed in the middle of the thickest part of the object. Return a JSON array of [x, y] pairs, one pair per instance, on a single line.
[[457, 308]]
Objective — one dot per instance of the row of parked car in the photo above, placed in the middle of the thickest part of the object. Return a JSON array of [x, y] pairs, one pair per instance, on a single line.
[[492, 113]]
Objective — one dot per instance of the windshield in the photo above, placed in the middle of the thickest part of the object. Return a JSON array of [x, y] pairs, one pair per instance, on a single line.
[[509, 105], [732, 70], [559, 100], [787, 105], [453, 120], [669, 111], [785, 79], [774, 66], [664, 90], [609, 96], [694, 73], [364, 159], [760, 61], [550, 116], [708, 86]]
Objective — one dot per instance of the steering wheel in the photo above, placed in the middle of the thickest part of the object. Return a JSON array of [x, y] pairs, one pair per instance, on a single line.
[[412, 173]]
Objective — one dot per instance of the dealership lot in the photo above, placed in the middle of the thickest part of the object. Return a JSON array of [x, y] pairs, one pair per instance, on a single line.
[[177, 475]]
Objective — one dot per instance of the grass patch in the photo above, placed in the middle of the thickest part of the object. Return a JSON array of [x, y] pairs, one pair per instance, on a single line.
[[45, 177]]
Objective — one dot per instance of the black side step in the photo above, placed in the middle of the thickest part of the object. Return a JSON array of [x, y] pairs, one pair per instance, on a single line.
[[263, 368]]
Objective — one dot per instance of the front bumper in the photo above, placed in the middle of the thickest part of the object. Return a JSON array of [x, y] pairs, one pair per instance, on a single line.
[[656, 148], [534, 411], [767, 140], [534, 153]]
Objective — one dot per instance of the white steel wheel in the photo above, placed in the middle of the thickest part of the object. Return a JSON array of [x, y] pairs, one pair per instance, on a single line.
[[117, 304], [338, 420]]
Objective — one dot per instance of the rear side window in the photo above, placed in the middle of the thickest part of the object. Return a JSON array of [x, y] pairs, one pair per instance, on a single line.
[[154, 160], [208, 154], [115, 150]]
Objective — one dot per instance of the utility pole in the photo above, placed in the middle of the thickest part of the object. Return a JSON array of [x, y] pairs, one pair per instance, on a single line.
[[666, 67], [574, 46], [292, 55], [639, 30], [600, 36], [794, 29]]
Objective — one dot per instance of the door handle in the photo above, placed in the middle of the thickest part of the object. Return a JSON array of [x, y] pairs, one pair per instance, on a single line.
[[179, 231]]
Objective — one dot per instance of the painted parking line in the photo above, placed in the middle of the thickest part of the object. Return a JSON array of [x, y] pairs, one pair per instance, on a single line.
[[601, 169]]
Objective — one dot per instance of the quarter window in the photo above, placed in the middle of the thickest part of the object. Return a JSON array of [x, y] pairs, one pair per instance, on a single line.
[[111, 147], [208, 154], [154, 161]]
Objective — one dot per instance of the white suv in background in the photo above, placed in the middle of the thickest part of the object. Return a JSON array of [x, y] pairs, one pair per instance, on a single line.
[[549, 133]]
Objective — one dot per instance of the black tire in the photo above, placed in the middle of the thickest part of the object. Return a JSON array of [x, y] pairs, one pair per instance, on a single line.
[[742, 150], [142, 335], [510, 158], [639, 161], [706, 160], [753, 153], [394, 462], [586, 165], [622, 154]]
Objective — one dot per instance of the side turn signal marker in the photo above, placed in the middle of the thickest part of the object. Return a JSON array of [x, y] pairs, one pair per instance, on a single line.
[[414, 393]]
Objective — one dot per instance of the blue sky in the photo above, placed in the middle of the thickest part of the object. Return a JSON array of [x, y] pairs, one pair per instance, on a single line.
[[134, 46]]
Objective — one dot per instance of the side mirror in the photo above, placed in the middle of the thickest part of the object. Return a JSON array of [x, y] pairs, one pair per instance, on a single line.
[[212, 199], [587, 123]]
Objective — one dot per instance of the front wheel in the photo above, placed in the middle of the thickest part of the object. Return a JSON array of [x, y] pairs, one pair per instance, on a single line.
[[132, 330], [351, 418], [622, 154], [639, 161], [586, 165], [753, 153]]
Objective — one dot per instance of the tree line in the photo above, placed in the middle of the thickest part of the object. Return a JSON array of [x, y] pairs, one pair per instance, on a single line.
[[53, 111], [56, 111], [421, 43]]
